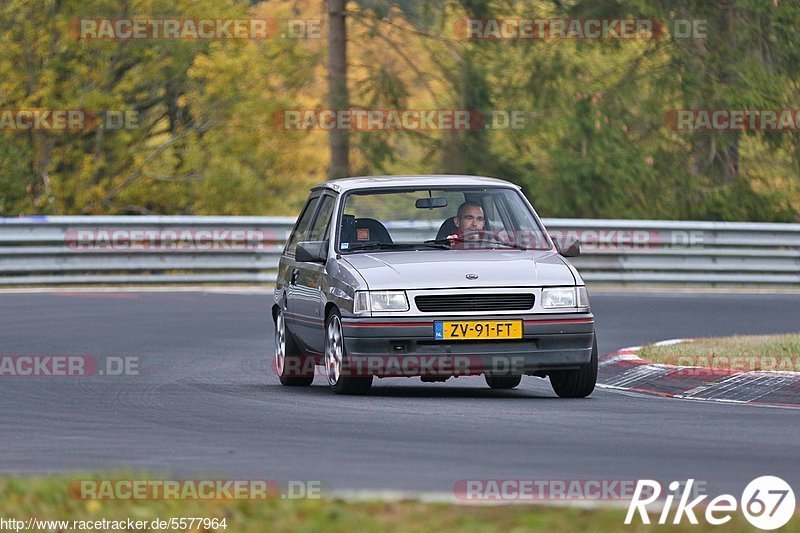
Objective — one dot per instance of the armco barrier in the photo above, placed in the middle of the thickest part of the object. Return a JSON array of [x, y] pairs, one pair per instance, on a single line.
[[183, 249]]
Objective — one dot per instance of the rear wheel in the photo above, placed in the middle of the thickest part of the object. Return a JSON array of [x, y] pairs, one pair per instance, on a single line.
[[293, 369], [336, 364], [576, 383], [502, 382]]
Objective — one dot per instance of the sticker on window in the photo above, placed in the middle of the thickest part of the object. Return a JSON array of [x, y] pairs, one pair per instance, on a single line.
[[345, 246], [362, 234]]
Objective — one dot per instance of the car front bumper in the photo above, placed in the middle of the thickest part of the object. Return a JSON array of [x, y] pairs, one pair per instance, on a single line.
[[391, 347]]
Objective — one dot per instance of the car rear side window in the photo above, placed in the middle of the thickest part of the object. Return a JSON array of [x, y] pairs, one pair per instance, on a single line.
[[320, 228], [301, 227]]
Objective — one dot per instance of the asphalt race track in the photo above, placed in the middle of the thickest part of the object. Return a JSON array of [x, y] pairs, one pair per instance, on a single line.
[[206, 402]]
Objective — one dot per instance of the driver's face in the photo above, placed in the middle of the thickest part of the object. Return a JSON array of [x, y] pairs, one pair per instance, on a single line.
[[472, 219]]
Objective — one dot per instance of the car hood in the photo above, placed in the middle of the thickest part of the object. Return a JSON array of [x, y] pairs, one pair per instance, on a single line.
[[437, 269]]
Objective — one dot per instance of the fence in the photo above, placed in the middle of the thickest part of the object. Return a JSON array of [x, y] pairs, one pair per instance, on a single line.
[[179, 249]]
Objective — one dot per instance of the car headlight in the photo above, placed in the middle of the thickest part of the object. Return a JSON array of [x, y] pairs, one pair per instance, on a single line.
[[366, 301], [559, 297]]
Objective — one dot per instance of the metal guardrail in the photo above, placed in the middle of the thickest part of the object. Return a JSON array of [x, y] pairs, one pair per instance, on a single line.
[[63, 250]]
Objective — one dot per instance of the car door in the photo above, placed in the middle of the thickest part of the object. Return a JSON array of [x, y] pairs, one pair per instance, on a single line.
[[287, 268], [308, 300]]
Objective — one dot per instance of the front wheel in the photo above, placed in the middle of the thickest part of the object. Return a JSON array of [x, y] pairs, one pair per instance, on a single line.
[[576, 383], [336, 364]]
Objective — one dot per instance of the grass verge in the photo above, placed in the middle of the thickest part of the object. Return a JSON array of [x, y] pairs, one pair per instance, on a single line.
[[47, 498], [751, 352]]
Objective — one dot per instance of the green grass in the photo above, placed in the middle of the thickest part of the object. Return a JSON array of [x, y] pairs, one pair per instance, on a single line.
[[47, 498], [753, 352]]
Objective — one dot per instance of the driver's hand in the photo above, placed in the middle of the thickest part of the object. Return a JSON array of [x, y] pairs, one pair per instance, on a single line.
[[476, 234]]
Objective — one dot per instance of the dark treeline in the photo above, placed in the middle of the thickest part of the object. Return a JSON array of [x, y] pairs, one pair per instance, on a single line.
[[597, 131]]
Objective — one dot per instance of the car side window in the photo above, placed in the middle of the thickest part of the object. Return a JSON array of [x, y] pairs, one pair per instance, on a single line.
[[301, 227], [320, 228]]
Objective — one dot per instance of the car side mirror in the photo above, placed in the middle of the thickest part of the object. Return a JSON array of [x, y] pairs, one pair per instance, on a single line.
[[311, 252], [568, 246]]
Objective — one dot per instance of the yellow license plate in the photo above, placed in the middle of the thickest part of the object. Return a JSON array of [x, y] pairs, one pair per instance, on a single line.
[[477, 329]]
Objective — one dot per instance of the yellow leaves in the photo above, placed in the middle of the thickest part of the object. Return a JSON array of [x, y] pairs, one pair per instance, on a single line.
[[93, 507]]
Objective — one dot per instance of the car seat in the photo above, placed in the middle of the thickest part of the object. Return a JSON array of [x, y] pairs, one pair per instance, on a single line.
[[364, 230], [448, 227]]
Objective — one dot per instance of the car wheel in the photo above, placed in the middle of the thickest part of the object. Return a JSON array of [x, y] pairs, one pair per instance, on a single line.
[[293, 369], [502, 382], [336, 365], [576, 383]]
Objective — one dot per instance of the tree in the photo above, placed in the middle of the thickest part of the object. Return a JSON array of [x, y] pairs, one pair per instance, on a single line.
[[337, 86]]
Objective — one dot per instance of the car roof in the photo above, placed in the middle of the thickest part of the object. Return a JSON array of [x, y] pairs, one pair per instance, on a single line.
[[429, 180]]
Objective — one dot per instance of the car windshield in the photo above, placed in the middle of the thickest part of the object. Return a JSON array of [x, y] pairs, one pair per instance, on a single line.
[[424, 219]]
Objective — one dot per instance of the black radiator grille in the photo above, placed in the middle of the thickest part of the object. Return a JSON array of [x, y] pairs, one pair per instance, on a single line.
[[452, 303]]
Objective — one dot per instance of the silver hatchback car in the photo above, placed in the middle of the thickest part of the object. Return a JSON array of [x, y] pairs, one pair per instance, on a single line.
[[434, 277]]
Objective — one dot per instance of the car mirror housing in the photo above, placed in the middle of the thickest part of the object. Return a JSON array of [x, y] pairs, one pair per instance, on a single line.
[[430, 203], [568, 247], [311, 252]]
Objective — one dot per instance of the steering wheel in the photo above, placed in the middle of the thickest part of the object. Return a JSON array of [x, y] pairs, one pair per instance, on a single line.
[[473, 235], [474, 239]]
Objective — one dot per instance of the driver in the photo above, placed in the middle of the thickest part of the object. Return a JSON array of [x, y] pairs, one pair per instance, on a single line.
[[469, 219]]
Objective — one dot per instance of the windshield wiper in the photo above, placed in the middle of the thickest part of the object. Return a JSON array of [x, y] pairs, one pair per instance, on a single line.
[[399, 245], [441, 244], [378, 246], [507, 244], [488, 241], [438, 241]]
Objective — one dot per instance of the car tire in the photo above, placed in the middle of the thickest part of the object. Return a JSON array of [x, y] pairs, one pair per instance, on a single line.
[[336, 363], [502, 382], [293, 368], [577, 383]]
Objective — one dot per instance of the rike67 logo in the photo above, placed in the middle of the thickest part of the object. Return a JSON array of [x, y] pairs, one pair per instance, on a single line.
[[767, 502]]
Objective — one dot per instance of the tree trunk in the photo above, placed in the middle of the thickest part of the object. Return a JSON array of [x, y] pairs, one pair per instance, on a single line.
[[339, 139], [716, 154]]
